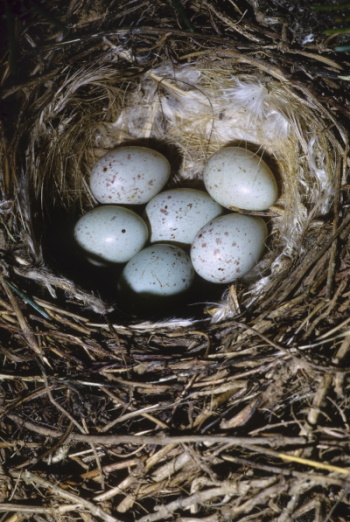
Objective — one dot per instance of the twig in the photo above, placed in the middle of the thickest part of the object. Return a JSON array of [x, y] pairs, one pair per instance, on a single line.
[[227, 489], [31, 478], [336, 504], [287, 472], [58, 406], [162, 440], [236, 26], [23, 508], [27, 332], [49, 451]]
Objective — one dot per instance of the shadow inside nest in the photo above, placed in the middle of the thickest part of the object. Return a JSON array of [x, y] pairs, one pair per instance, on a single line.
[[64, 256]]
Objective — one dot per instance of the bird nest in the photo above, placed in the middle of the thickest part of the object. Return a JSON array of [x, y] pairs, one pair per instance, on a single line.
[[234, 407]]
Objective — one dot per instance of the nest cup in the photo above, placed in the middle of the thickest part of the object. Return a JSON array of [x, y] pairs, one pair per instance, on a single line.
[[187, 111]]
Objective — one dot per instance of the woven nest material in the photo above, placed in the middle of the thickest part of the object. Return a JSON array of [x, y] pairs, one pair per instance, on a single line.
[[235, 408]]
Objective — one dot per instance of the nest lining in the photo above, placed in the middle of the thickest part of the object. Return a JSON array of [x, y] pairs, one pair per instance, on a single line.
[[193, 109]]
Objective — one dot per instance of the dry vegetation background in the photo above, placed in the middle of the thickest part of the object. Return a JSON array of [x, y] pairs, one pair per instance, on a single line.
[[245, 419]]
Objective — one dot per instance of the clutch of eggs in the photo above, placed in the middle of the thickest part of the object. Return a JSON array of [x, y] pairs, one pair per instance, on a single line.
[[223, 247]]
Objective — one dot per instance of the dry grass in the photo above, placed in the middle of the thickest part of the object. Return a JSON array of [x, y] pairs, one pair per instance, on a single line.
[[239, 410]]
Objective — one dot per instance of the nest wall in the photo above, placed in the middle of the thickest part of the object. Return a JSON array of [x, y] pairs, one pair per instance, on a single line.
[[237, 411], [189, 111]]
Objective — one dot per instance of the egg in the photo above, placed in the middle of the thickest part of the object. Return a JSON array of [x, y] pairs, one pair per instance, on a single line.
[[228, 247], [177, 214], [129, 175], [110, 233], [237, 178], [157, 273]]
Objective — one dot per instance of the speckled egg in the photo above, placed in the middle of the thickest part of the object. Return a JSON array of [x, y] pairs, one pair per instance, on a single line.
[[177, 215], [111, 234], [158, 271], [129, 175], [228, 247], [237, 178]]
